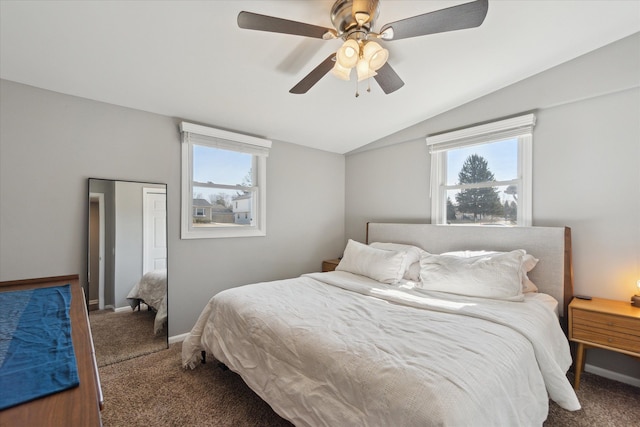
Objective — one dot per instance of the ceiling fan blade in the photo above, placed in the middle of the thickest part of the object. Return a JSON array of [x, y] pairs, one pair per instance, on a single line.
[[254, 21], [314, 76], [467, 15], [388, 79]]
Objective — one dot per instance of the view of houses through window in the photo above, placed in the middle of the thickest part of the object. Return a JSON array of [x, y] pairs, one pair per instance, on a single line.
[[223, 183], [222, 187]]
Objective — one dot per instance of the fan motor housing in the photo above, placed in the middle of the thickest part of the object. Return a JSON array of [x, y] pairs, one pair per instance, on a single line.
[[344, 12]]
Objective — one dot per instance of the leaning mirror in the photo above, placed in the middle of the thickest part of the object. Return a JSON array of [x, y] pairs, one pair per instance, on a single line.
[[127, 272]]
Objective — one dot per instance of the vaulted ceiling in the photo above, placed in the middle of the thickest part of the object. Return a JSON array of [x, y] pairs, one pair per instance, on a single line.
[[189, 59]]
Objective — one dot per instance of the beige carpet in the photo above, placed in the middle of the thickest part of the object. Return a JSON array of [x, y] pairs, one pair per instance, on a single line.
[[154, 390], [123, 335], [605, 403]]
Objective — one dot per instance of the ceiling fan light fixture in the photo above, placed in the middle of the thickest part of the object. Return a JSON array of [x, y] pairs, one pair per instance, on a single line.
[[347, 55], [341, 72], [375, 55], [364, 70]]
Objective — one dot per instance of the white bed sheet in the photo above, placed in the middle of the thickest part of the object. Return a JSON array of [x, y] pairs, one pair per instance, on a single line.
[[545, 299], [152, 290], [340, 349]]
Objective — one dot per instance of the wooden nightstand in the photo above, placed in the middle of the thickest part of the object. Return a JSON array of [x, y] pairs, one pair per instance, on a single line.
[[330, 265], [603, 323]]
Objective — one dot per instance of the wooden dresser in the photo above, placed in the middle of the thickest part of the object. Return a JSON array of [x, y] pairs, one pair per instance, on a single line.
[[603, 323], [78, 406]]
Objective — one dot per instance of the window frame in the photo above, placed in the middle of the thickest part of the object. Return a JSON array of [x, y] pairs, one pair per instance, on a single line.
[[193, 134], [520, 127]]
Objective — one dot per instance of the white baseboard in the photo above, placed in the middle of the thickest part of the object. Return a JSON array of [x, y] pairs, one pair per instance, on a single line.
[[612, 375], [177, 338]]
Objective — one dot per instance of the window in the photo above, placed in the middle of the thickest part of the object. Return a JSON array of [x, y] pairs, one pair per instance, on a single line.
[[482, 174], [223, 176]]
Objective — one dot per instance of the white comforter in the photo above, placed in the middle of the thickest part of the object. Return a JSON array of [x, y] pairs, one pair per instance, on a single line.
[[339, 349], [152, 289]]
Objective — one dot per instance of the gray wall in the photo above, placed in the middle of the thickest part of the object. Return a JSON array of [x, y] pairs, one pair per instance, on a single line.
[[50, 144], [586, 174], [129, 242]]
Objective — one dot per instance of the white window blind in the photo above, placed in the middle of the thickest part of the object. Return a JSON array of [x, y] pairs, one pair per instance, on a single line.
[[503, 129], [225, 140]]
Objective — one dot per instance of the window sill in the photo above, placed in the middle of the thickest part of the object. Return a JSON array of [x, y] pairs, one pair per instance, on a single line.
[[222, 233]]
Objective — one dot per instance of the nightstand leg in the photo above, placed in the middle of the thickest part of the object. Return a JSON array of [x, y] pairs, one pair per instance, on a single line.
[[579, 365]]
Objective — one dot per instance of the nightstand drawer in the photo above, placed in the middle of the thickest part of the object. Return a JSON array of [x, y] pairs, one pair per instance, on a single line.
[[608, 321], [607, 338], [606, 329]]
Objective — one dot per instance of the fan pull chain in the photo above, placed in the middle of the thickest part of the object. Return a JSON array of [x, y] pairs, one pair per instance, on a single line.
[[368, 87]]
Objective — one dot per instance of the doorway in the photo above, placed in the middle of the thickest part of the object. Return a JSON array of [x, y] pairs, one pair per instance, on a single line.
[[96, 252]]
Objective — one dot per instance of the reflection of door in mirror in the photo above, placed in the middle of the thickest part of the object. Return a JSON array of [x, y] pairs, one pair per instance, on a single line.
[[127, 268]]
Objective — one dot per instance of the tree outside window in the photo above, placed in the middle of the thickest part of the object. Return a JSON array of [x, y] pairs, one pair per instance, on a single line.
[[482, 174]]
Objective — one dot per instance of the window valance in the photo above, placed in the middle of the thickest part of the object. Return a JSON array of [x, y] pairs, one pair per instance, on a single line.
[[225, 140], [503, 129]]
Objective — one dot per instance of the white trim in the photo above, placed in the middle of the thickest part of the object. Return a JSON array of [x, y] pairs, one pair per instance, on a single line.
[[178, 338], [437, 191], [612, 375], [186, 189], [525, 168]]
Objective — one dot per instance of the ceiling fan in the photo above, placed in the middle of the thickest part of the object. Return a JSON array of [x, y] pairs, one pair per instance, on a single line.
[[353, 21]]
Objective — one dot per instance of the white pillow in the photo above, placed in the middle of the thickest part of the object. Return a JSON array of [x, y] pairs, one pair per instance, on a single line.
[[528, 262], [497, 275], [411, 266], [379, 264]]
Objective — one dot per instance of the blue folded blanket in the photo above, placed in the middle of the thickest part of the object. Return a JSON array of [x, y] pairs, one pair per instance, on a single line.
[[36, 350]]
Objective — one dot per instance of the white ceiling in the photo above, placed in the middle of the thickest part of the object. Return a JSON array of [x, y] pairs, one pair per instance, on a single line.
[[189, 59]]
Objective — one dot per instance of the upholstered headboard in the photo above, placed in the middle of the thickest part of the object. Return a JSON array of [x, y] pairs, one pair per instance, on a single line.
[[552, 275]]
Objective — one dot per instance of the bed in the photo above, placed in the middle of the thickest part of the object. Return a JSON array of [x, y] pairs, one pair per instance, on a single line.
[[151, 289], [385, 341]]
